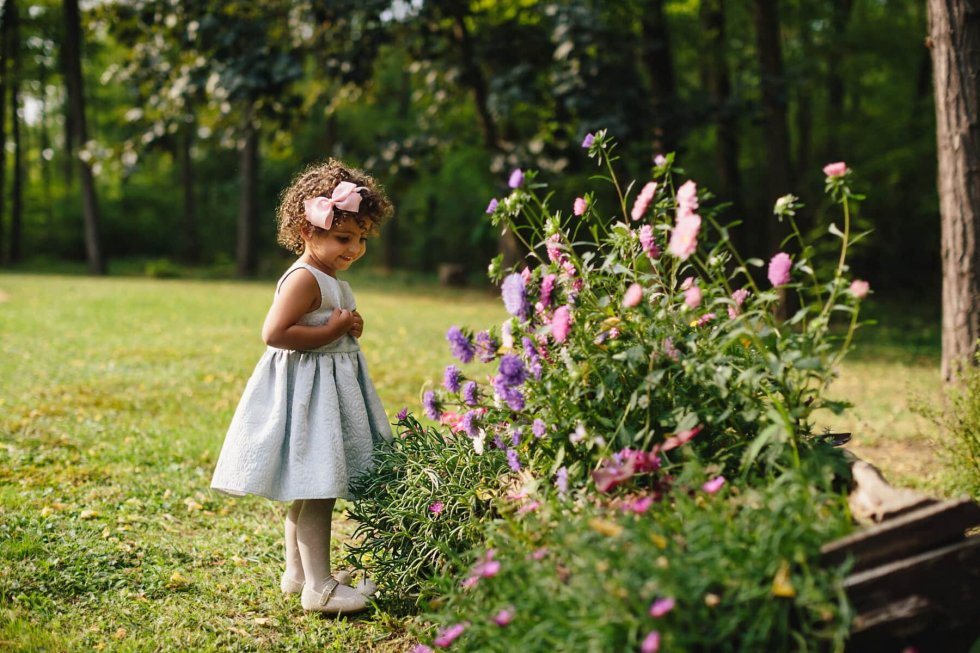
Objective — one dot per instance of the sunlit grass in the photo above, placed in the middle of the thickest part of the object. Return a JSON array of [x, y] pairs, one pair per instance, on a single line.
[[114, 399]]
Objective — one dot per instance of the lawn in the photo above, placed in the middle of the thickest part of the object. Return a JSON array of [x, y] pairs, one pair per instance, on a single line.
[[114, 397]]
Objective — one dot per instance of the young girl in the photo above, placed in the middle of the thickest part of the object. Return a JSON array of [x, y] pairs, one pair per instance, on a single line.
[[310, 417]]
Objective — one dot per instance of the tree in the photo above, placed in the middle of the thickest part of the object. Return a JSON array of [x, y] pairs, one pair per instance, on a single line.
[[954, 35], [15, 53], [72, 53]]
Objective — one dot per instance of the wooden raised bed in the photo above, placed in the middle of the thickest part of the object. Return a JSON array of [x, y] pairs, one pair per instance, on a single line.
[[915, 577]]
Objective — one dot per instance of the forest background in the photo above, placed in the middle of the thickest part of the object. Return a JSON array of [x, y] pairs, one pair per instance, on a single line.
[[192, 116]]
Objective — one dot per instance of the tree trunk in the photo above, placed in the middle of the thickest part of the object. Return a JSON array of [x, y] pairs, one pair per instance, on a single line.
[[719, 86], [191, 250], [659, 63], [4, 40], [474, 78], [840, 15], [247, 207], [76, 102], [954, 34], [17, 205]]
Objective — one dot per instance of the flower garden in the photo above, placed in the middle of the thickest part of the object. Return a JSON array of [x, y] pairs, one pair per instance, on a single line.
[[633, 460]]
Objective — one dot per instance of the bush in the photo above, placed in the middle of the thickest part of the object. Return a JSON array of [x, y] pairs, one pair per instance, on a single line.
[[422, 507], [960, 424], [731, 571]]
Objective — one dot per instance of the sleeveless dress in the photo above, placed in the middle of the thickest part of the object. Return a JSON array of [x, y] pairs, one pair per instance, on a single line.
[[308, 421]]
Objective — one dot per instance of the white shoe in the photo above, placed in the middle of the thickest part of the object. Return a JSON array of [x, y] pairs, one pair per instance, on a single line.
[[295, 586], [367, 587], [334, 599]]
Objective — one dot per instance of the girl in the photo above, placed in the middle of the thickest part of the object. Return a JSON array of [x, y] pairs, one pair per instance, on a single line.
[[310, 417]]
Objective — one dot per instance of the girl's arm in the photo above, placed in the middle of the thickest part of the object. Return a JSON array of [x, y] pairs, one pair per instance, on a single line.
[[298, 295]]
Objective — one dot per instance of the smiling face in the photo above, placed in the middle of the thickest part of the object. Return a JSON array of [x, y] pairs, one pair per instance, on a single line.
[[335, 250]]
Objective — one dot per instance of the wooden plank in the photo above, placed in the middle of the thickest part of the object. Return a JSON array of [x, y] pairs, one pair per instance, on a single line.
[[948, 577], [920, 530]]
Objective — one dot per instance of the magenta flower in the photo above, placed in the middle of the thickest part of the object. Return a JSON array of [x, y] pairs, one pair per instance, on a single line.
[[613, 471], [779, 267], [713, 485], [516, 178], [651, 643], [692, 296], [648, 243], [860, 288], [492, 206], [633, 296], [503, 617], [684, 237], [402, 414], [448, 635], [643, 200], [487, 567], [547, 288], [838, 169], [661, 607], [588, 140], [561, 324], [421, 648], [436, 507], [469, 582], [580, 205], [640, 505]]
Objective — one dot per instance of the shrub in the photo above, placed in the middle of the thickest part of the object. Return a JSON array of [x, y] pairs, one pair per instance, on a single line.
[[734, 570], [960, 423], [422, 506]]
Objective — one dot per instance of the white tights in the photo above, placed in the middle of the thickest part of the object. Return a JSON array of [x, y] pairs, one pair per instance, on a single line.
[[307, 533]]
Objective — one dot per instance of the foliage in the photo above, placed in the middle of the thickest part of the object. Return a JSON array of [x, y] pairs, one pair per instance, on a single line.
[[732, 571]]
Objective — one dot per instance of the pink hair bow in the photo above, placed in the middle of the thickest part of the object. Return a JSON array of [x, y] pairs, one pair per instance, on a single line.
[[319, 210]]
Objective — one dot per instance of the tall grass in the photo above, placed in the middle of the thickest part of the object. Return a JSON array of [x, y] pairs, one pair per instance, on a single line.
[[114, 398]]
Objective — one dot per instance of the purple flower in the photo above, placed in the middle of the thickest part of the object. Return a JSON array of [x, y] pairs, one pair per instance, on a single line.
[[451, 378], [512, 372], [499, 442], [515, 437], [561, 480], [430, 404], [514, 296], [588, 140], [486, 346], [513, 461], [468, 423], [547, 288], [436, 507], [469, 393], [539, 428], [659, 160], [402, 414], [661, 607], [533, 358], [492, 206], [779, 267], [459, 344], [448, 635], [516, 178]]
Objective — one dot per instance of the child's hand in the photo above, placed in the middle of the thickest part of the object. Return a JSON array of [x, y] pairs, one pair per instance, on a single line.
[[343, 318], [358, 328]]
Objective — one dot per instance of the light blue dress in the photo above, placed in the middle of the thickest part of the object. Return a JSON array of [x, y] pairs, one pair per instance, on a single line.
[[308, 421]]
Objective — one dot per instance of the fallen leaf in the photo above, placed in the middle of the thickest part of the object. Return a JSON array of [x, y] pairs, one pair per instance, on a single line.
[[88, 514], [605, 527], [781, 583]]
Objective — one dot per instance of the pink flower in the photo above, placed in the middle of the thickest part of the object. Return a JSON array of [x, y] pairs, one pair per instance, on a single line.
[[547, 287], [860, 288], [580, 205], [503, 617], [633, 296], [779, 267], [659, 160], [670, 350], [530, 506], [661, 607], [684, 237], [561, 323], [470, 582], [713, 485], [838, 169], [651, 643], [680, 438], [436, 507], [612, 472], [643, 200], [448, 635], [648, 243], [487, 567], [539, 554], [704, 319], [687, 199], [739, 296], [640, 505], [552, 246], [692, 296], [421, 648]]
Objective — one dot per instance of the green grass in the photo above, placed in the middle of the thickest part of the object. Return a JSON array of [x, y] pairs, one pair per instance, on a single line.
[[114, 399]]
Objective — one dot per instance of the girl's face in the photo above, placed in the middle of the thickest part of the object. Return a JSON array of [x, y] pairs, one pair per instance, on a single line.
[[335, 250]]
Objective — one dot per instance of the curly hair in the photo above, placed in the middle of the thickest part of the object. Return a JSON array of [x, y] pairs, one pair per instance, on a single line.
[[319, 180]]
